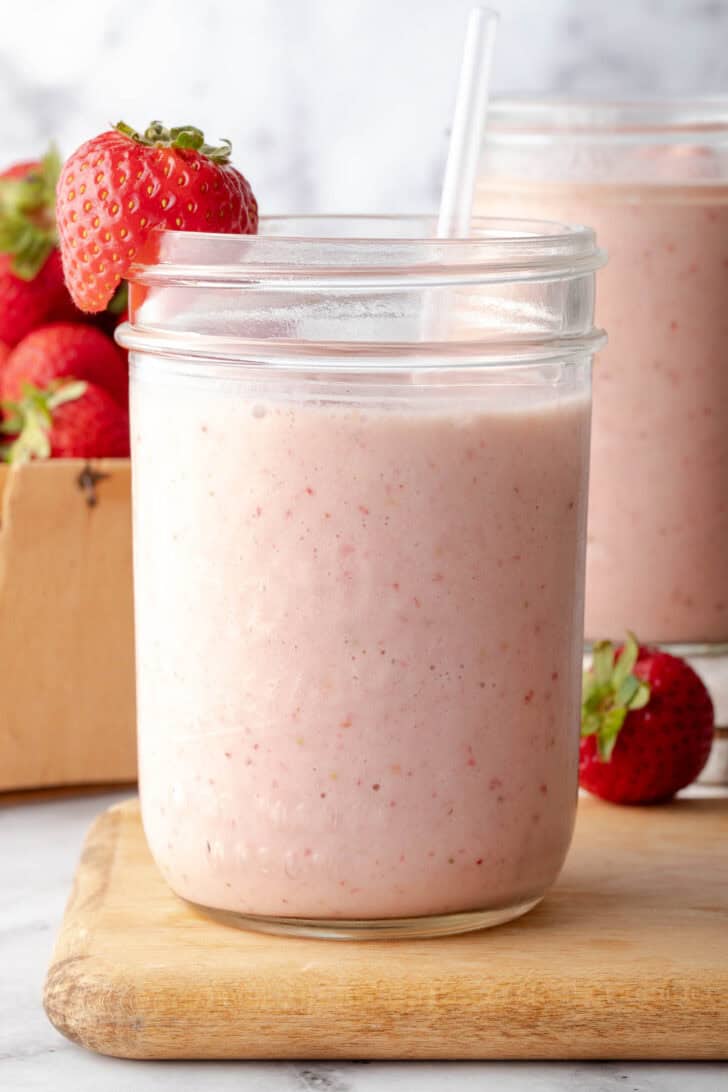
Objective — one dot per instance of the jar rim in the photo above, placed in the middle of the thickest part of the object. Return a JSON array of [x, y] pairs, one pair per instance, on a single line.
[[380, 358], [681, 117], [296, 261], [369, 250]]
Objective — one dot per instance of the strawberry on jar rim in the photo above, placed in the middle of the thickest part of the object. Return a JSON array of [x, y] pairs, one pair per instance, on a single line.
[[122, 185], [647, 724]]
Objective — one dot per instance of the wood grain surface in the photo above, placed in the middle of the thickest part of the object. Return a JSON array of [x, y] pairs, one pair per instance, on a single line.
[[626, 958], [66, 626]]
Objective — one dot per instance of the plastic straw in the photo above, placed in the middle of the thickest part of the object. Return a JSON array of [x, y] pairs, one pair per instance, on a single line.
[[466, 138]]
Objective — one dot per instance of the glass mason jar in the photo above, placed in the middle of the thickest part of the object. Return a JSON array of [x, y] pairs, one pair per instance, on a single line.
[[360, 463], [652, 179]]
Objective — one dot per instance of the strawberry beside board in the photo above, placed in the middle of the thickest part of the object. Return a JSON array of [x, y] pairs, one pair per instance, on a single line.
[[647, 724]]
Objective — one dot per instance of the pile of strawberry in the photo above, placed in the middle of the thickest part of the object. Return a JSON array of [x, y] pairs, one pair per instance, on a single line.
[[46, 341], [67, 239]]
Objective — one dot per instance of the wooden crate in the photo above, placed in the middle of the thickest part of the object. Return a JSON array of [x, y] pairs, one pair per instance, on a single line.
[[66, 624]]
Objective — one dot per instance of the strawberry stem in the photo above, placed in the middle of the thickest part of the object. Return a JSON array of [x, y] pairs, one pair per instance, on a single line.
[[180, 136], [611, 691]]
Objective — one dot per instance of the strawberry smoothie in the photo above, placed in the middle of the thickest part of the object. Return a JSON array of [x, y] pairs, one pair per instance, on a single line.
[[359, 572], [658, 506], [359, 648]]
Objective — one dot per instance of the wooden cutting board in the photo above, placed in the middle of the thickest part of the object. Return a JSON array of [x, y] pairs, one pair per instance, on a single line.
[[626, 958]]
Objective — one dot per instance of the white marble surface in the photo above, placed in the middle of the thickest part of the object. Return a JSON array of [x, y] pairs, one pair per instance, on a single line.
[[39, 845], [332, 105]]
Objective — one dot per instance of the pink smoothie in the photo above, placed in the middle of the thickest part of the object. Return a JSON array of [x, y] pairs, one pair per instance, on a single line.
[[359, 643], [658, 504]]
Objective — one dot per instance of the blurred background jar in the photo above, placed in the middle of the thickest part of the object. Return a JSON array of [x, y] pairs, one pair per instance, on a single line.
[[652, 179]]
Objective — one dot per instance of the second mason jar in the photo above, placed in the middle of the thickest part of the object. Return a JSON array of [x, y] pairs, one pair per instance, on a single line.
[[360, 461], [652, 179]]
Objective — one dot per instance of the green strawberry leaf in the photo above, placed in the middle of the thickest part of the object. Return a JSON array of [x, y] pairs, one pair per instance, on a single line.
[[30, 419], [611, 692], [626, 689], [66, 392], [642, 697], [602, 662], [626, 661], [119, 302], [27, 216], [179, 136], [187, 136], [608, 732]]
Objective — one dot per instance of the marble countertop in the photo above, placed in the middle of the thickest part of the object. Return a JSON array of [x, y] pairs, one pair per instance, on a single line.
[[39, 846]]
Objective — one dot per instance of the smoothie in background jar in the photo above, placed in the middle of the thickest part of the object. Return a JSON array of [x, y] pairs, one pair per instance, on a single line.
[[652, 180], [359, 570]]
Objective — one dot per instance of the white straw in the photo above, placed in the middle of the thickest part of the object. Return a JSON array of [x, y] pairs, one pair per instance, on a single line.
[[471, 104]]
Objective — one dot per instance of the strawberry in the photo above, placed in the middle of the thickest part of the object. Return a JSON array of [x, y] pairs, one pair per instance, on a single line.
[[20, 170], [122, 186], [5, 351], [68, 419], [24, 304], [647, 724], [31, 275], [65, 350]]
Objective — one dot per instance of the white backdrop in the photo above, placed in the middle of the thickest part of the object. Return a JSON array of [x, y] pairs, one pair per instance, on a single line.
[[338, 105]]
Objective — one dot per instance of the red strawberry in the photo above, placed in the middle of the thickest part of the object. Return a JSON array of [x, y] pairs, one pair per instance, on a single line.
[[647, 724], [20, 170], [121, 186], [5, 351], [68, 419], [24, 304], [31, 277], [65, 350]]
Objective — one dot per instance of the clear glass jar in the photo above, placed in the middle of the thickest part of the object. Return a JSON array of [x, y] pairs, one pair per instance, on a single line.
[[360, 474], [652, 179]]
